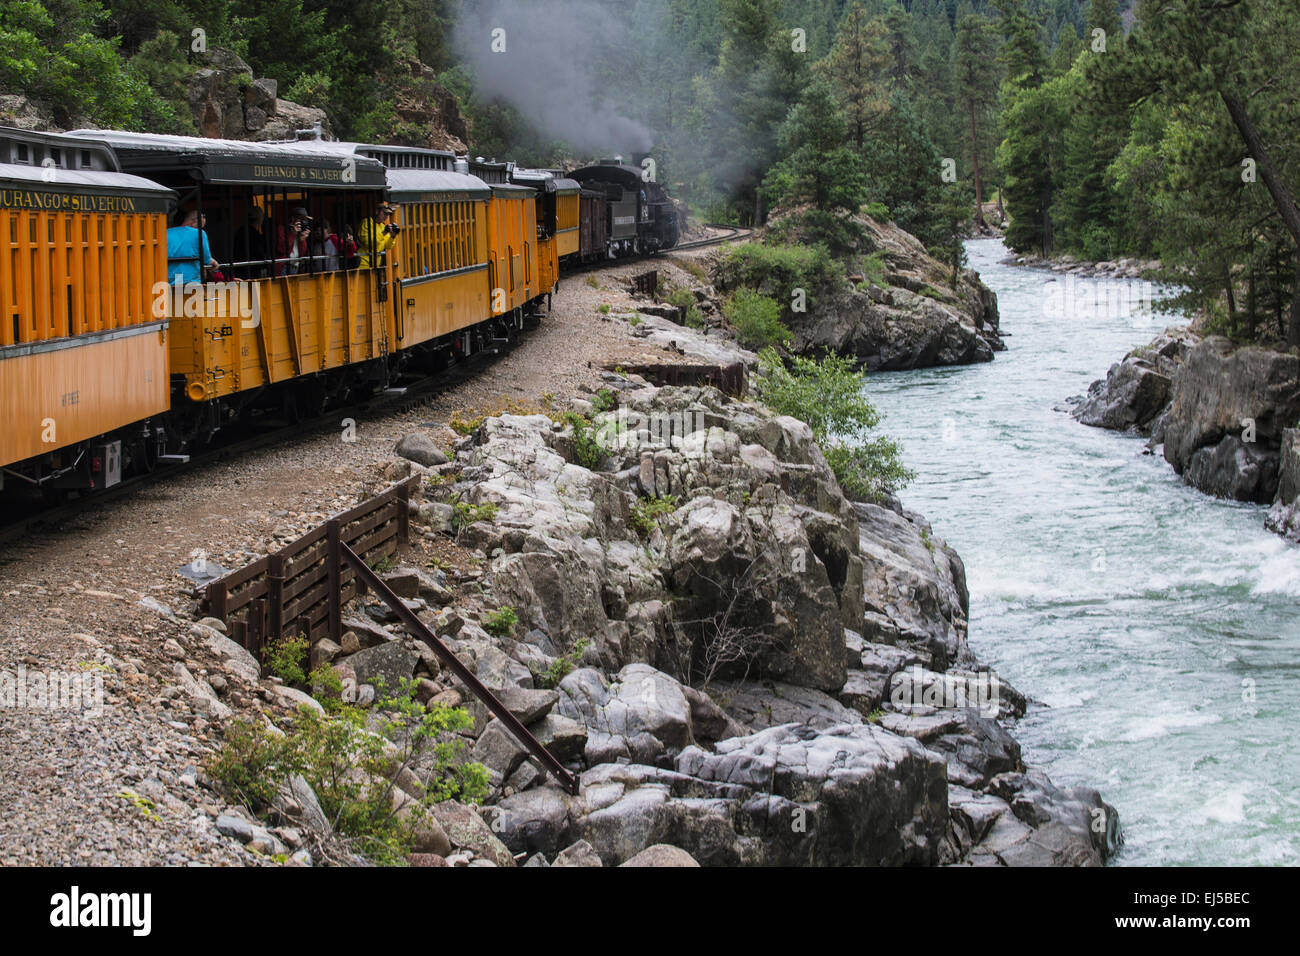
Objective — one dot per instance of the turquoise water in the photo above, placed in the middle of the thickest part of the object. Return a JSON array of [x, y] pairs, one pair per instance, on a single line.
[[1158, 629]]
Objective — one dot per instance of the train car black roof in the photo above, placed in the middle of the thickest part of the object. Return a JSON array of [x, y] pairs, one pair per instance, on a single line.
[[44, 183], [227, 161], [543, 179], [414, 174]]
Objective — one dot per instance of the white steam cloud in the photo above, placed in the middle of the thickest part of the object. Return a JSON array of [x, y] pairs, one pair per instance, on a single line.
[[544, 57]]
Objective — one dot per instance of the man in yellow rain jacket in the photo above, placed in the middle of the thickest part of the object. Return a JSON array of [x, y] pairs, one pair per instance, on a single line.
[[376, 236]]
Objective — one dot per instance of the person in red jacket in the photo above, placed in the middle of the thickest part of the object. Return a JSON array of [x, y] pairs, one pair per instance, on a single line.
[[291, 243]]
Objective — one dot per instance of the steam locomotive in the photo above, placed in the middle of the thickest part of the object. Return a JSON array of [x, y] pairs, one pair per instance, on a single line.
[[631, 214]]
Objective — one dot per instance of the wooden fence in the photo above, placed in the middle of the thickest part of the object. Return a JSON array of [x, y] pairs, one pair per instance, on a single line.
[[302, 588]]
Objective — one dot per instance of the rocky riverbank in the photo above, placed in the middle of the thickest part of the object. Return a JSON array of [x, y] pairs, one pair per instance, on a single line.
[[1123, 268], [752, 669], [741, 665], [901, 313], [1223, 416]]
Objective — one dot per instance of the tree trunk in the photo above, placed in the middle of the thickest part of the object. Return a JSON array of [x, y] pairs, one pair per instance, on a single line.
[[975, 163], [1282, 197], [1293, 330]]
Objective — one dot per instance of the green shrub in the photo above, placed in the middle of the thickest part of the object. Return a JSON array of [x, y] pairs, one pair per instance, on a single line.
[[647, 512], [587, 447], [286, 658], [682, 298], [249, 765], [464, 514], [874, 271], [605, 400], [877, 211], [777, 269], [501, 622], [827, 394], [350, 758], [756, 319], [561, 667], [694, 318]]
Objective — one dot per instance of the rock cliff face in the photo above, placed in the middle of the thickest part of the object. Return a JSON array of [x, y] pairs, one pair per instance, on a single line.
[[228, 102], [764, 672], [1223, 414], [911, 318], [1227, 411]]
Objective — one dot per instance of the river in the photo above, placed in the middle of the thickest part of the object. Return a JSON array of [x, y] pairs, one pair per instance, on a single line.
[[1157, 629]]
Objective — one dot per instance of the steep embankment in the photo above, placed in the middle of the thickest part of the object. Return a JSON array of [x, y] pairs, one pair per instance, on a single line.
[[763, 671]]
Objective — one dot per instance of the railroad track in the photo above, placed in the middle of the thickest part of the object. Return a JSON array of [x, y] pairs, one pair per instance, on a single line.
[[734, 233], [417, 391]]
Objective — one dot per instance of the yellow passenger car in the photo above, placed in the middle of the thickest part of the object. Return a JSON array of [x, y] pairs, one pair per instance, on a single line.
[[512, 240], [556, 237], [83, 337], [289, 302], [443, 256]]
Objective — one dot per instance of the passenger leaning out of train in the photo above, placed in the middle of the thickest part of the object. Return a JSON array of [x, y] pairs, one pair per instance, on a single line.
[[291, 243], [377, 235], [188, 252]]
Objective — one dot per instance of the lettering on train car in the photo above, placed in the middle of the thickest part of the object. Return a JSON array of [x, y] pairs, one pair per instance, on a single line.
[[70, 398], [301, 174], [74, 202]]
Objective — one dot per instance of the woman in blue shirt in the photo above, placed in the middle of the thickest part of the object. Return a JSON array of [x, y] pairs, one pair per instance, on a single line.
[[188, 250]]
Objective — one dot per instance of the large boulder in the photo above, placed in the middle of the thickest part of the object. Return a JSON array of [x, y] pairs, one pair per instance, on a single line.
[[1137, 389], [1223, 391], [886, 329], [914, 586], [638, 716], [909, 316], [1234, 469], [750, 602], [752, 568], [789, 795], [1284, 516]]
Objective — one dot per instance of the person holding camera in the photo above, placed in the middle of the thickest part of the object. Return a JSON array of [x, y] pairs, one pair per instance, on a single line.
[[377, 235], [291, 243]]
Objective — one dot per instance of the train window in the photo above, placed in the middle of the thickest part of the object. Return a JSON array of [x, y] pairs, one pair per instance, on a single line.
[[56, 155], [85, 159], [20, 154]]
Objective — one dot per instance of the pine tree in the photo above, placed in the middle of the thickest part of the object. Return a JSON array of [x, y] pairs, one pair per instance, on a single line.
[[900, 39], [854, 66], [975, 79]]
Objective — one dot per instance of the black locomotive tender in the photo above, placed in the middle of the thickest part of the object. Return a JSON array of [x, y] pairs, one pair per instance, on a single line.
[[622, 213]]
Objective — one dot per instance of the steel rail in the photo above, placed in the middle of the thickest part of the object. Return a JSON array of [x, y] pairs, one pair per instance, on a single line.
[[421, 631]]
